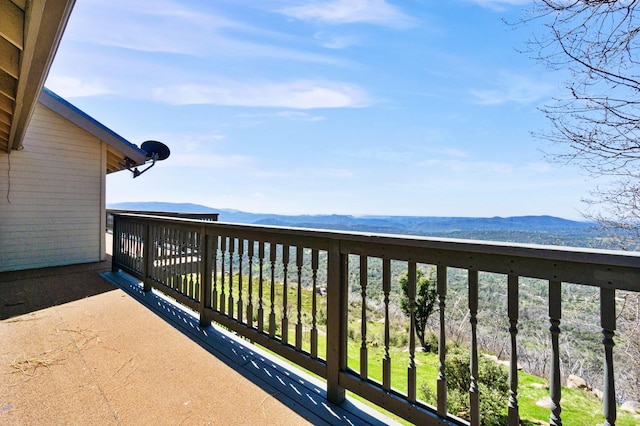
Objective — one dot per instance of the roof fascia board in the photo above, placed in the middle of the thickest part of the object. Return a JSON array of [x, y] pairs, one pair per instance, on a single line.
[[89, 124], [45, 21]]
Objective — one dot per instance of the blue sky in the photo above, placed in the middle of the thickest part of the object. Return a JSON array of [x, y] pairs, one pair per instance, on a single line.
[[414, 107]]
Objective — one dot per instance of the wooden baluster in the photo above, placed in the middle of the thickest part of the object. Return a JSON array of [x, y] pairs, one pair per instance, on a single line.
[[168, 271], [142, 241], [474, 393], [240, 301], [386, 360], [442, 342], [184, 255], [250, 246], [122, 241], [364, 355], [273, 249], [156, 266], [314, 304], [134, 246], [178, 261], [172, 236], [128, 244], [159, 254], [299, 263], [193, 263], [188, 276], [186, 261], [285, 291], [138, 246], [198, 255], [172, 268], [167, 257], [131, 246], [555, 314], [223, 296], [232, 252], [150, 252], [260, 286], [214, 262], [147, 260], [134, 241], [513, 301], [411, 368], [182, 278], [185, 235], [608, 323], [193, 282], [174, 275], [184, 272], [169, 250], [176, 264]]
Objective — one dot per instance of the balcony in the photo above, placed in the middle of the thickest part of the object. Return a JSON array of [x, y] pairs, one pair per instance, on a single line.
[[194, 273]]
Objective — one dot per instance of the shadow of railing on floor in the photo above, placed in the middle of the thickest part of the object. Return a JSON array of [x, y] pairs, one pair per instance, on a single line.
[[298, 391]]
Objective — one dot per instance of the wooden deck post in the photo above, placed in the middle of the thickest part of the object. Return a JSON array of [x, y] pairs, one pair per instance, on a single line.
[[337, 305], [204, 251]]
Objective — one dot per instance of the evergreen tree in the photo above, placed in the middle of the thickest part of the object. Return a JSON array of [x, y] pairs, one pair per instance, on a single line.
[[426, 295]]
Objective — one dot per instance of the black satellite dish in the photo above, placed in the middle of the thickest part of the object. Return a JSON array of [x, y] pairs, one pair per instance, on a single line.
[[155, 147], [156, 151]]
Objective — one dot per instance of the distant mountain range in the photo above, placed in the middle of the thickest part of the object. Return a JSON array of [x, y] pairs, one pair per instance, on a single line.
[[527, 229]]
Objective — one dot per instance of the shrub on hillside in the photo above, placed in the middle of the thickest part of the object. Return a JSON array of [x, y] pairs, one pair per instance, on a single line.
[[492, 383]]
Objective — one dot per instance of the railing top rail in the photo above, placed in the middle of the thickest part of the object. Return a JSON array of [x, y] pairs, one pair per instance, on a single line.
[[186, 215]]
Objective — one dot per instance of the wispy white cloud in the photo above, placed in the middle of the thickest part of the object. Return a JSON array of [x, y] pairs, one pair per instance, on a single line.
[[163, 26], [510, 87], [301, 94], [376, 12], [258, 119], [300, 116], [332, 41], [170, 27]]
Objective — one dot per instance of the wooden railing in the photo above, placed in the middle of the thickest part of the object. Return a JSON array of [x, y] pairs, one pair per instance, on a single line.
[[209, 217], [287, 289]]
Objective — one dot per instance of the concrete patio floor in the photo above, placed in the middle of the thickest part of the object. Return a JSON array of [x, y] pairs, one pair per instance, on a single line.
[[78, 349]]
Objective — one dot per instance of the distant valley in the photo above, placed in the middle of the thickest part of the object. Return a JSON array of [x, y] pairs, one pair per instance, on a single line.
[[522, 229]]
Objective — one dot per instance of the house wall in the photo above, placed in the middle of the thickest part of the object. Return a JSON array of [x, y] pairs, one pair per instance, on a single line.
[[52, 196]]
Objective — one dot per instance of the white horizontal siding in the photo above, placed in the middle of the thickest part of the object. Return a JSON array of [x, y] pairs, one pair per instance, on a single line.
[[51, 198]]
